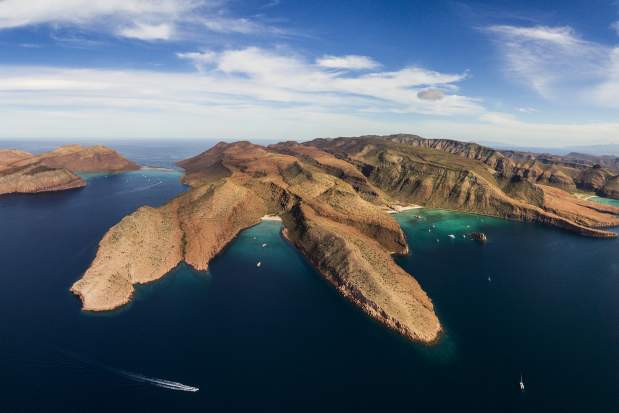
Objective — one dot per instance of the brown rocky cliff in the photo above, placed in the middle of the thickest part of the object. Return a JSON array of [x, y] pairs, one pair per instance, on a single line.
[[22, 172], [363, 272], [9, 156], [77, 158], [322, 193], [233, 185], [611, 188], [435, 178], [37, 178], [570, 172]]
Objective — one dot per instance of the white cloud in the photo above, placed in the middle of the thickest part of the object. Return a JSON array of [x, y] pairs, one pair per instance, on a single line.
[[348, 62], [555, 61], [199, 59], [509, 128], [291, 100], [163, 31], [276, 77], [238, 25], [147, 19], [248, 85], [245, 77], [561, 36], [139, 19], [607, 92]]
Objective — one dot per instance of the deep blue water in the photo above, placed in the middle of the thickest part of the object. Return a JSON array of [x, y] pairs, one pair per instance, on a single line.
[[279, 338]]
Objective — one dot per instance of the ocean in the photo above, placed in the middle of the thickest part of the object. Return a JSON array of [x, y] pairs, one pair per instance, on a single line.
[[533, 301]]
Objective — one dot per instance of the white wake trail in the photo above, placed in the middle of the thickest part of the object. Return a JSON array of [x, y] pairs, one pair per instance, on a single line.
[[166, 384]]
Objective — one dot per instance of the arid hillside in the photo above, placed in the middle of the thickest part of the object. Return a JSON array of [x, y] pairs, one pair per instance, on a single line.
[[23, 172], [333, 197]]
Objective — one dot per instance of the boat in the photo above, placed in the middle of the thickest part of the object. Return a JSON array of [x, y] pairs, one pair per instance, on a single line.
[[264, 245], [259, 264], [452, 236], [521, 383]]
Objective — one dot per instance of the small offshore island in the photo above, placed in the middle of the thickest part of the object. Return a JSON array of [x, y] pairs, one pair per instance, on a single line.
[[23, 172], [333, 196]]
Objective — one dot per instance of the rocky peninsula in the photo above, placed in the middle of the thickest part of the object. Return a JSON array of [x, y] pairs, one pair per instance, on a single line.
[[333, 197], [23, 172]]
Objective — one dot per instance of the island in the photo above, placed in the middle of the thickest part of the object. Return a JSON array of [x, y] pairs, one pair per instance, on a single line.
[[333, 197], [23, 172]]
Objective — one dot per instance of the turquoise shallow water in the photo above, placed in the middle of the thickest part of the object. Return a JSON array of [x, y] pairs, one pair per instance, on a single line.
[[279, 338], [607, 201]]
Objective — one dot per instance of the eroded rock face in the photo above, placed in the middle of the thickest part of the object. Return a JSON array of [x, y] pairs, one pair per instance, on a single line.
[[37, 178], [611, 188], [349, 238], [78, 158], [569, 172], [9, 156], [23, 172], [332, 196], [363, 271], [443, 179], [142, 247]]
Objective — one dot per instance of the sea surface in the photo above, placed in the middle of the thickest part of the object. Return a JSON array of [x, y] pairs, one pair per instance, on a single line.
[[534, 301]]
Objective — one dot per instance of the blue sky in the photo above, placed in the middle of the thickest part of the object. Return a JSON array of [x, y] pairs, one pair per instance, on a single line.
[[518, 72]]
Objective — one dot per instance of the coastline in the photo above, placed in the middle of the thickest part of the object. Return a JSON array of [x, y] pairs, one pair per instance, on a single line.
[[396, 209], [271, 218]]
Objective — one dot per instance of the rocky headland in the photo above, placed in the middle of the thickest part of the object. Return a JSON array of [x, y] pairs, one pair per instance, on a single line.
[[23, 172], [333, 197]]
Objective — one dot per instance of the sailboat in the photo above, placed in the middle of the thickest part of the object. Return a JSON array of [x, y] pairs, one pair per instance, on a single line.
[[521, 383]]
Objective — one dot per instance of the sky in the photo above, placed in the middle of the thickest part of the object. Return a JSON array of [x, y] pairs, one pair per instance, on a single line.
[[517, 72]]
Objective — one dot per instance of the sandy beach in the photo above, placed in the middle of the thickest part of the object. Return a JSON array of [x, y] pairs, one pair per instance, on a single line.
[[270, 218], [399, 208]]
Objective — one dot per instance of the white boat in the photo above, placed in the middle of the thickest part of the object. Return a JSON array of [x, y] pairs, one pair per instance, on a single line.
[[452, 236], [264, 245], [521, 383], [259, 264]]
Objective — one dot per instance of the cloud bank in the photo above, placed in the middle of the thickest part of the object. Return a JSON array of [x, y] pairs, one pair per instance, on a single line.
[[148, 20], [559, 64]]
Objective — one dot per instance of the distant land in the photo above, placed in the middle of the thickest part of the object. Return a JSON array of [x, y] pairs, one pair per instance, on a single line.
[[24, 172], [334, 197], [609, 149]]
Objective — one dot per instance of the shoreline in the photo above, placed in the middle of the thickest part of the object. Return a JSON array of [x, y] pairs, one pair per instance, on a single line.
[[271, 218], [396, 209]]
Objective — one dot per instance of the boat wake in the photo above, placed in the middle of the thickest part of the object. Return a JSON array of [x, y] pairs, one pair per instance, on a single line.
[[166, 384]]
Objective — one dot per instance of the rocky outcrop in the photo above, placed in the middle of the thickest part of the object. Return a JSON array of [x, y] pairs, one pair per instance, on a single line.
[[611, 188], [23, 172], [37, 178], [9, 156], [442, 179], [332, 196], [348, 238], [363, 272], [141, 248], [78, 158], [570, 172]]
